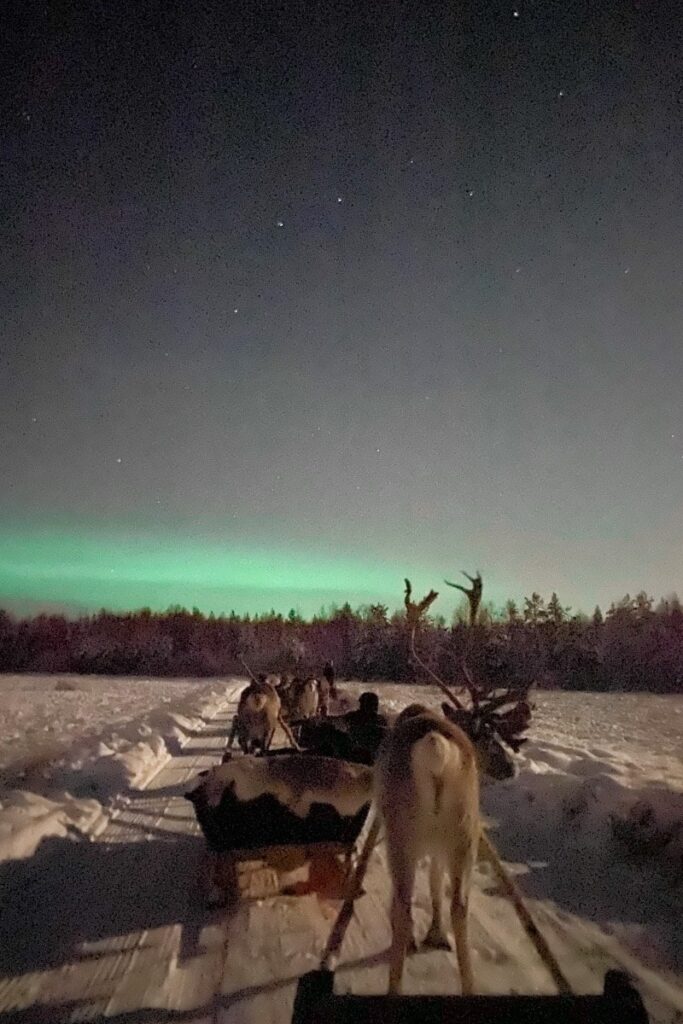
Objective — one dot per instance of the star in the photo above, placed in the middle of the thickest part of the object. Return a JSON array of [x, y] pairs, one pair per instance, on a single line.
[[561, 93], [340, 199], [470, 192], [119, 461], [235, 310], [280, 223], [515, 14]]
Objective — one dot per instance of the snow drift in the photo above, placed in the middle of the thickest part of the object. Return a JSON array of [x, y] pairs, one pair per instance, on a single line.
[[62, 790]]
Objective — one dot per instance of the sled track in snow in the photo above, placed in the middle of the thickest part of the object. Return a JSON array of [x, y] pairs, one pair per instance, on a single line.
[[114, 928]]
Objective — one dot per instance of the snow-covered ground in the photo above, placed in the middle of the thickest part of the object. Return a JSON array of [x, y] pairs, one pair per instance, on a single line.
[[592, 826], [41, 714], [72, 747]]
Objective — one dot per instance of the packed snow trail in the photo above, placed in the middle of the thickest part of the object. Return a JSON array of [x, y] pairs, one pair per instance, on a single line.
[[115, 928]]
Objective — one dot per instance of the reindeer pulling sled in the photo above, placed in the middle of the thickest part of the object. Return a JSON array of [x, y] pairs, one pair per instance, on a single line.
[[286, 821], [303, 809]]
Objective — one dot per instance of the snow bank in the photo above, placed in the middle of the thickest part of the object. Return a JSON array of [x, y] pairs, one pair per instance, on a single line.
[[43, 715], [67, 790], [27, 818], [591, 803]]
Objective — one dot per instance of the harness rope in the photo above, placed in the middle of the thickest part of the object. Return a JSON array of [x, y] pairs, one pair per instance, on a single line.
[[488, 851]]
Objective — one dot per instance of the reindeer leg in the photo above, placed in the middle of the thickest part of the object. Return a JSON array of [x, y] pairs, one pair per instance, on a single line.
[[403, 877], [436, 937], [459, 913]]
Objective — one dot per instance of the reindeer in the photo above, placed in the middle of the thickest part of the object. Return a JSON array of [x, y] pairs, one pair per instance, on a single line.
[[258, 713], [302, 699], [427, 791]]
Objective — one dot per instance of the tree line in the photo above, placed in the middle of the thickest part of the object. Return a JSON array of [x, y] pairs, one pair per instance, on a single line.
[[635, 645]]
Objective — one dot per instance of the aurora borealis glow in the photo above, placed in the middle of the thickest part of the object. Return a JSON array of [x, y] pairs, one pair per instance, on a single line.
[[123, 572], [296, 303]]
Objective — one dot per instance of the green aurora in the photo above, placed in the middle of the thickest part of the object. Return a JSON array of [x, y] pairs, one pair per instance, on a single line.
[[84, 570]]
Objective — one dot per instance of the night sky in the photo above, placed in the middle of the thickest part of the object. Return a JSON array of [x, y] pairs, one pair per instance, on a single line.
[[301, 298]]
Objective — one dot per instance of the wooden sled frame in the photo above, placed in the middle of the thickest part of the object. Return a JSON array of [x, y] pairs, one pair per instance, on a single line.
[[316, 1003], [256, 873]]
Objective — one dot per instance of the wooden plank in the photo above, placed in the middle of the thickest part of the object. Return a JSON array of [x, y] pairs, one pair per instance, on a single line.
[[300, 850]]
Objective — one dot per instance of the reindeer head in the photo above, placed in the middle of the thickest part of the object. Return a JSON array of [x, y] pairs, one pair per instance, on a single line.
[[493, 756]]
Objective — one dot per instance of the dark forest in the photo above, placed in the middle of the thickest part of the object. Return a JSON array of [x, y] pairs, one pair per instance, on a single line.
[[637, 645]]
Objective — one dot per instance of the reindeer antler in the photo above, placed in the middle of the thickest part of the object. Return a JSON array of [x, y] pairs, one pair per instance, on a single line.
[[472, 687], [472, 593], [509, 724], [251, 675], [414, 613]]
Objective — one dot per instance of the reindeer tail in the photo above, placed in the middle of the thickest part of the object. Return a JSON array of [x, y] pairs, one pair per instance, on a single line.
[[431, 754], [431, 757]]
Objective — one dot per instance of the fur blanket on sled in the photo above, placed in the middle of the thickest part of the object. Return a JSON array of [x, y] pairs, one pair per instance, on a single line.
[[298, 798]]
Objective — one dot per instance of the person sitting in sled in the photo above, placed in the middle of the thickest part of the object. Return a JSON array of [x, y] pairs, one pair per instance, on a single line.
[[328, 676], [366, 726]]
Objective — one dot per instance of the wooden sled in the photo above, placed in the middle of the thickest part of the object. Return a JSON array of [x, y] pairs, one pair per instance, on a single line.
[[259, 848], [319, 868]]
